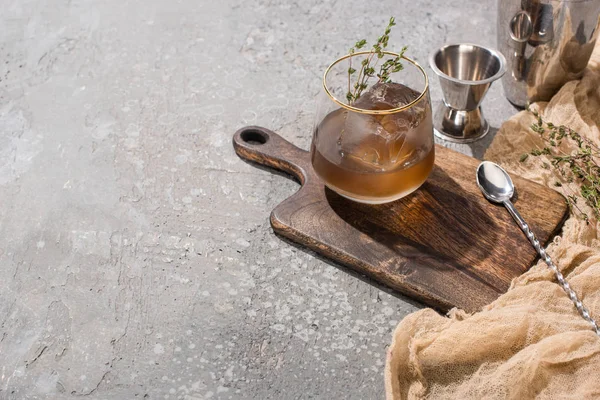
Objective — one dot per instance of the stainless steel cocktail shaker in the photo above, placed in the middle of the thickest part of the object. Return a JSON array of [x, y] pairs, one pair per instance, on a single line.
[[546, 44]]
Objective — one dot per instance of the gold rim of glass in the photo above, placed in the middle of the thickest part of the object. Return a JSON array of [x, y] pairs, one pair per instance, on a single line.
[[375, 112]]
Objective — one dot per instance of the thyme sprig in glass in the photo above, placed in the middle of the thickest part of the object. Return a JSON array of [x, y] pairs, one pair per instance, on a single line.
[[579, 168], [369, 63]]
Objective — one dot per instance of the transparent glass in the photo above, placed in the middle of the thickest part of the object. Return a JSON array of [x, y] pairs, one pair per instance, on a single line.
[[378, 148]]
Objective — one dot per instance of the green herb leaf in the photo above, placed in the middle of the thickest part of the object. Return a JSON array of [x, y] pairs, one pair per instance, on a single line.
[[369, 63], [579, 167]]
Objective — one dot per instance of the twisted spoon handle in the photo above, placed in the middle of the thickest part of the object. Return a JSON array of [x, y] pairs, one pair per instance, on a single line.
[[559, 276]]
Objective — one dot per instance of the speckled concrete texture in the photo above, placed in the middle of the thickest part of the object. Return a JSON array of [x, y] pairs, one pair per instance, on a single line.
[[136, 257]]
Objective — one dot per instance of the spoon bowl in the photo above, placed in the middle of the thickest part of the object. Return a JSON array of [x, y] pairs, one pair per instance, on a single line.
[[494, 182]]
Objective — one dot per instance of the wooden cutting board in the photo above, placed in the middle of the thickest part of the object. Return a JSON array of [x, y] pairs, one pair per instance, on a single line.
[[444, 245]]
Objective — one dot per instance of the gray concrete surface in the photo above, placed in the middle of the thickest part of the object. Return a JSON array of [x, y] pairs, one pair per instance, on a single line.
[[136, 257]]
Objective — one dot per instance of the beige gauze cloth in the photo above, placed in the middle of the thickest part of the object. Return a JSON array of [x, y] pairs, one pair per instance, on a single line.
[[531, 342]]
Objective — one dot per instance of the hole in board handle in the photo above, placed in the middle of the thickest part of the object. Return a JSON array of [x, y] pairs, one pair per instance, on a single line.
[[254, 137]]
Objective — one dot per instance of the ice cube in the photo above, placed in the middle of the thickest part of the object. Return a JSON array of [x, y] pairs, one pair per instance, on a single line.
[[381, 142], [386, 96], [369, 144], [357, 128]]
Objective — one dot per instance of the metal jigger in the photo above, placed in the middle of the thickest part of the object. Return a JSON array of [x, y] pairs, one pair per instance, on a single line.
[[466, 72]]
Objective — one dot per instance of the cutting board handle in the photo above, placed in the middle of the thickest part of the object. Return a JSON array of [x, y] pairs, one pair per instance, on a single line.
[[265, 147]]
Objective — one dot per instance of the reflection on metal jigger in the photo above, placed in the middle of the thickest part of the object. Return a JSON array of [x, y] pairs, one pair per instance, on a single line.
[[466, 72]]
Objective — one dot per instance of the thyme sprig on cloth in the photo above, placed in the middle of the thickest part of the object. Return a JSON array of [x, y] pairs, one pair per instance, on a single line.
[[579, 168]]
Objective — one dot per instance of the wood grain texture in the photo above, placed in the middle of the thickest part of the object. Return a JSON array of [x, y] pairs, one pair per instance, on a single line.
[[444, 245]]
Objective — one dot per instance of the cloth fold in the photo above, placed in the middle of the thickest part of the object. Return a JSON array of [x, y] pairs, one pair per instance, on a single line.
[[531, 342]]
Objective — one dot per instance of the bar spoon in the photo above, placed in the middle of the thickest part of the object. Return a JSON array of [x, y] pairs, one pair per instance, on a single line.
[[496, 186]]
